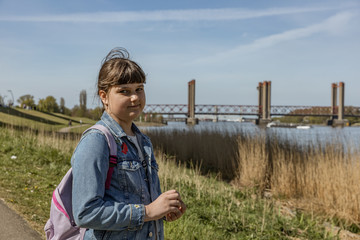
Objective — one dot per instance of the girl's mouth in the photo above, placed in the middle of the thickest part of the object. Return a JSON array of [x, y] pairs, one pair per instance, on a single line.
[[135, 106]]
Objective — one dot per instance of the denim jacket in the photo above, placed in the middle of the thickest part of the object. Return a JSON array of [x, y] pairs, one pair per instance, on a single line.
[[117, 212]]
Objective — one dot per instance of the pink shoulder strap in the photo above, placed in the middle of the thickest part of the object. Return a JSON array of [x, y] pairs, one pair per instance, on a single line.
[[113, 151]]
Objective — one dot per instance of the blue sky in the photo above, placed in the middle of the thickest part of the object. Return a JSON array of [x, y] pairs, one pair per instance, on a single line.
[[56, 48]]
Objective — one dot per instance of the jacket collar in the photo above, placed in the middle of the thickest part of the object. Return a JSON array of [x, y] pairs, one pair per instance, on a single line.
[[115, 127]]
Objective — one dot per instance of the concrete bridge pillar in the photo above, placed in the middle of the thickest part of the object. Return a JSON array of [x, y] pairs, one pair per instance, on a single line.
[[216, 119], [340, 121], [191, 104], [268, 92], [264, 90], [341, 100], [333, 101], [264, 101], [259, 88]]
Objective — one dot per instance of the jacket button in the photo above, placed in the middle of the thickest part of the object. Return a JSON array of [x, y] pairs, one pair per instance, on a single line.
[[150, 234]]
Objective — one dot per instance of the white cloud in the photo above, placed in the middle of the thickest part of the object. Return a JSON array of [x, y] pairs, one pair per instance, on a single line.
[[166, 15], [333, 25]]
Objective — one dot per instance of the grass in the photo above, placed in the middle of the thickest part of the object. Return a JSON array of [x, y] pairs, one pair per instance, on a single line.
[[40, 121], [49, 122], [317, 178], [216, 152], [216, 210]]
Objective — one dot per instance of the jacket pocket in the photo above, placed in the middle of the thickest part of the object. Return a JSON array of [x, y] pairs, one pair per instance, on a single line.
[[130, 177]]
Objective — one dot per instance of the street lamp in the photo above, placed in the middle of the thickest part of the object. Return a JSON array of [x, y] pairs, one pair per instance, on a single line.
[[12, 98]]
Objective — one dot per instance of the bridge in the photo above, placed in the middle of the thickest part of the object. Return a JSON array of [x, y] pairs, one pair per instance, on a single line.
[[263, 111], [249, 110]]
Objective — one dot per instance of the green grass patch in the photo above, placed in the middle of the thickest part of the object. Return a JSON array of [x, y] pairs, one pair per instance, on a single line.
[[43, 121], [216, 210]]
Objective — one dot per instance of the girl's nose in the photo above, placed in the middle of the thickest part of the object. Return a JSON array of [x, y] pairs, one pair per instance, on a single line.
[[134, 97]]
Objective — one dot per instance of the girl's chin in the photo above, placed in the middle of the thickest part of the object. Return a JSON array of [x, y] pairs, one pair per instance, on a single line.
[[134, 114]]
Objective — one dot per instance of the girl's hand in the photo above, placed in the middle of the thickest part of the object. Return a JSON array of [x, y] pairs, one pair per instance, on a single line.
[[173, 215], [168, 202]]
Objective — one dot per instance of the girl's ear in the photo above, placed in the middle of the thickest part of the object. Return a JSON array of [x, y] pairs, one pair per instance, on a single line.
[[103, 97]]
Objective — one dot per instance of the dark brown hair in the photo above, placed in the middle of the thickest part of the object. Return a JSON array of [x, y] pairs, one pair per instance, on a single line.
[[117, 68]]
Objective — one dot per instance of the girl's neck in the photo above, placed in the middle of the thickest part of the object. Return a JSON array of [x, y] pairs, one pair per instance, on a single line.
[[127, 128]]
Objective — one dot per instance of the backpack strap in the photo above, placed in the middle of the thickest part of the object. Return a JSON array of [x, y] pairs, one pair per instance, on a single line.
[[113, 151]]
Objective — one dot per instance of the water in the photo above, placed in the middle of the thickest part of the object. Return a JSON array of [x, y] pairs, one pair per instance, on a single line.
[[348, 136]]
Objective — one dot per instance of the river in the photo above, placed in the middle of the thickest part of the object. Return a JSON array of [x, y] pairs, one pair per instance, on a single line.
[[349, 136]]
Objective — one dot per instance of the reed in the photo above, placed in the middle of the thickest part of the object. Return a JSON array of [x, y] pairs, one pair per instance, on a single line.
[[319, 177], [216, 210], [214, 151]]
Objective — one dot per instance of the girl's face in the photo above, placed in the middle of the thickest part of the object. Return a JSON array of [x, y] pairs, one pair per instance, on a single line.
[[124, 102]]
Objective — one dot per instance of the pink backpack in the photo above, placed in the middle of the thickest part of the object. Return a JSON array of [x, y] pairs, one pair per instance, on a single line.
[[61, 224]]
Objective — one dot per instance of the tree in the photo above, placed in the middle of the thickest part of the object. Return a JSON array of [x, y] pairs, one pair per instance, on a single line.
[[26, 100], [83, 100], [48, 105], [62, 105], [96, 113], [2, 101]]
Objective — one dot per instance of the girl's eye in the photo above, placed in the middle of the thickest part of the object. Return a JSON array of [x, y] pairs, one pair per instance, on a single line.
[[139, 89], [123, 91]]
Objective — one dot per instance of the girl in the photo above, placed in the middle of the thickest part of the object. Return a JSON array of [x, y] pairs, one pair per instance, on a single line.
[[133, 206]]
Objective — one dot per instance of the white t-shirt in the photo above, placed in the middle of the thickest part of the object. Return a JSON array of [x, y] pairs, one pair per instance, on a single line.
[[133, 139]]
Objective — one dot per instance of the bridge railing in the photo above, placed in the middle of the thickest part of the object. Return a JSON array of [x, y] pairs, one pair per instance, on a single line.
[[227, 109], [202, 109], [207, 109], [173, 109], [301, 110], [349, 111]]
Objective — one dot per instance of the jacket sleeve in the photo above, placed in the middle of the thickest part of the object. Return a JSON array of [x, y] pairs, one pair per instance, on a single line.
[[90, 163]]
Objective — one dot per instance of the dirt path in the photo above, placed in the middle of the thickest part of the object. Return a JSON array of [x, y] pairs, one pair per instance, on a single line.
[[14, 227], [67, 129]]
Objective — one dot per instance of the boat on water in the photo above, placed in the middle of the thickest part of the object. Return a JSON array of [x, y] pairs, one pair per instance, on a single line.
[[304, 127], [288, 125]]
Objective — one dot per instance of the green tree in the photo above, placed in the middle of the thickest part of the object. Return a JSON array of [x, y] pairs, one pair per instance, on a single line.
[[26, 100], [48, 104], [96, 113], [62, 105], [2, 102], [76, 111], [83, 101]]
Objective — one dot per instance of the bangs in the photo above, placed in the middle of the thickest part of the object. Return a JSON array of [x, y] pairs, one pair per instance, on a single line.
[[131, 73]]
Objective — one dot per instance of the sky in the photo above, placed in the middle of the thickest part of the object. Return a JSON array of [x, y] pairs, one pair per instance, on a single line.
[[55, 48]]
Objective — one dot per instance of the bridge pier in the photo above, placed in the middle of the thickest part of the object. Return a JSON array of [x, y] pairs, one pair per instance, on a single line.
[[216, 119], [191, 120], [340, 121], [334, 109], [264, 93]]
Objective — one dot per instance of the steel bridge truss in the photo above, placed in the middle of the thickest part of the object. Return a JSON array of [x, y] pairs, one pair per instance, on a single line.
[[205, 109]]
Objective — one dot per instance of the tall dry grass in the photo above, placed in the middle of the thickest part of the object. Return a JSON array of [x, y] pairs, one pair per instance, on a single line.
[[214, 151], [323, 178], [65, 142], [319, 177]]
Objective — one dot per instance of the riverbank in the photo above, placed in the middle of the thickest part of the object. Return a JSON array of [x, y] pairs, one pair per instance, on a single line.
[[315, 168], [31, 165]]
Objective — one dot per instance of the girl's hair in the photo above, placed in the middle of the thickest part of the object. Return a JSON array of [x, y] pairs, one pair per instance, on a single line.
[[117, 68]]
